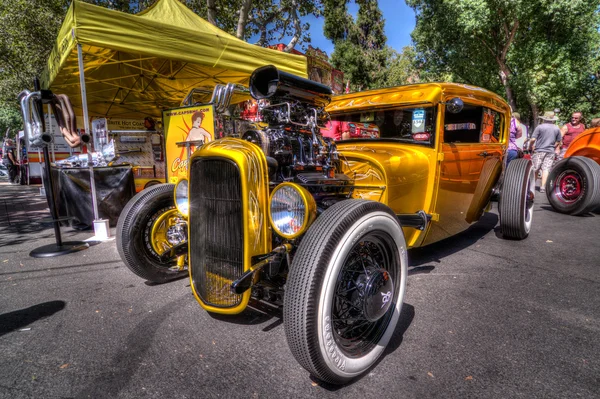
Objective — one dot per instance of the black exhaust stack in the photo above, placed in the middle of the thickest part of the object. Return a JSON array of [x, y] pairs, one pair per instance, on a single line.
[[270, 83]]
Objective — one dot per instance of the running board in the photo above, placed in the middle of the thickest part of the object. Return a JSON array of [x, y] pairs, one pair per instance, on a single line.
[[417, 220]]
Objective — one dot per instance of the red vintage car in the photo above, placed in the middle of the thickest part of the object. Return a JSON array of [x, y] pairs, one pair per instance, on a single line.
[[573, 186]]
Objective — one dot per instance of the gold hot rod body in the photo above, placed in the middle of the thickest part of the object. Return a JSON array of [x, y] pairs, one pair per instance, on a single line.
[[438, 179], [313, 211]]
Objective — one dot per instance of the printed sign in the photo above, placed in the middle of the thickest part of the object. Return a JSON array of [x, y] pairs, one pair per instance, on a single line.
[[190, 124], [460, 126], [418, 121]]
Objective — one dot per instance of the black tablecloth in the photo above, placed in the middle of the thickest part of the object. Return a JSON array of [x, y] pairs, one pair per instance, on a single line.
[[114, 188]]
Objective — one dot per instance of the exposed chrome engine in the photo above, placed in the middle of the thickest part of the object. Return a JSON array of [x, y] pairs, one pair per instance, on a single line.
[[296, 151]]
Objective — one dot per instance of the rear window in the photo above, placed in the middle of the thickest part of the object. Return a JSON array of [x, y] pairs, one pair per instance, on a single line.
[[410, 125], [474, 124]]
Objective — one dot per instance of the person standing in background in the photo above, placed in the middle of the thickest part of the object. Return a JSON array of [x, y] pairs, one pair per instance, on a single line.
[[524, 136], [515, 134], [544, 143], [155, 138], [570, 131], [9, 159]]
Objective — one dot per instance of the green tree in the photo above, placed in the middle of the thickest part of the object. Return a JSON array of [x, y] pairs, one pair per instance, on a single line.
[[401, 67], [338, 21], [271, 20], [537, 53], [10, 122], [274, 20], [359, 46], [28, 29]]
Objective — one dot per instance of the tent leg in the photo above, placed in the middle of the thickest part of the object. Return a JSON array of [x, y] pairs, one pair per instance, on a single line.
[[100, 230]]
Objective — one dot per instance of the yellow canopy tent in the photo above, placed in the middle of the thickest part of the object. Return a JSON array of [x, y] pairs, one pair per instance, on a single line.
[[138, 65]]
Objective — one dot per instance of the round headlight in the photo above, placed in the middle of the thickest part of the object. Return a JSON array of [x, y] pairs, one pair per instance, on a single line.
[[181, 197], [291, 210]]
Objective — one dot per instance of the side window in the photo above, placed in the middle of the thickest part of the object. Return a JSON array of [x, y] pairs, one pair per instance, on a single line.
[[498, 126], [465, 126], [491, 126]]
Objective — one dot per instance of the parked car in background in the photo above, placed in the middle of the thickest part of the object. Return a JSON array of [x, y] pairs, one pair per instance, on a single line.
[[573, 185]]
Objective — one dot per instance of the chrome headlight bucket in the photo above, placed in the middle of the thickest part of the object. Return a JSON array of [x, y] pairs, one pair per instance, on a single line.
[[292, 209], [182, 197]]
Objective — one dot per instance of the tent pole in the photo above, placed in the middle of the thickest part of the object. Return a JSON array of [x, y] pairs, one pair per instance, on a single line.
[[84, 95], [87, 130]]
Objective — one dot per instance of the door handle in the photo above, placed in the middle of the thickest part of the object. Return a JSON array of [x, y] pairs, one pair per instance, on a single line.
[[484, 154]]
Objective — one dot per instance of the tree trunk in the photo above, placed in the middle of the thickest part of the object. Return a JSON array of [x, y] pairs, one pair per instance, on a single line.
[[211, 13], [297, 28], [504, 78], [243, 20], [535, 112]]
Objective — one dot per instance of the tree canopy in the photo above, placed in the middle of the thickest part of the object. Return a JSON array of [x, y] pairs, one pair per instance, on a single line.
[[360, 49], [28, 29], [539, 54], [542, 54]]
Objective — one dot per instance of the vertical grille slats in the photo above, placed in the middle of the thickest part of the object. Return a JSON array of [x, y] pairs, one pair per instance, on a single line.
[[216, 230]]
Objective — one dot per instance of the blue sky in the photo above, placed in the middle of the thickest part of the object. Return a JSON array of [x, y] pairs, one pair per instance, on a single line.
[[399, 23]]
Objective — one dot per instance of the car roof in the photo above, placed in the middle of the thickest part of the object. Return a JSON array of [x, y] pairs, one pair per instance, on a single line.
[[415, 94]]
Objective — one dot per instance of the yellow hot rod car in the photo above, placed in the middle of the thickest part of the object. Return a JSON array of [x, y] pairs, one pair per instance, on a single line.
[[285, 214]]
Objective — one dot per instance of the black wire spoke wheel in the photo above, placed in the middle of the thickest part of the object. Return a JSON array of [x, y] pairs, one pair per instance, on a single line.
[[357, 317], [345, 290]]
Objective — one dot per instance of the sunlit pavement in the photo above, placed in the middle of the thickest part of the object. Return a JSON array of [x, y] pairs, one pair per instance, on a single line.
[[483, 318]]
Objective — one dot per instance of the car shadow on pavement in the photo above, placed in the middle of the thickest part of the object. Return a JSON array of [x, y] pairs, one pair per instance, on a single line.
[[255, 313], [154, 283], [18, 319], [125, 364], [406, 317], [419, 258]]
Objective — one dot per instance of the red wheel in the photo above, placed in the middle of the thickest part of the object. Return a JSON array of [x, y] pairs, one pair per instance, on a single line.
[[568, 189], [573, 185]]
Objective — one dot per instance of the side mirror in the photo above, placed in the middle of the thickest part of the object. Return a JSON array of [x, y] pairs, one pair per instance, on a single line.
[[455, 105]]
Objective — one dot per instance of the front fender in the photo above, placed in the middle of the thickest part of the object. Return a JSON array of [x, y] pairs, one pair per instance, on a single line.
[[400, 176]]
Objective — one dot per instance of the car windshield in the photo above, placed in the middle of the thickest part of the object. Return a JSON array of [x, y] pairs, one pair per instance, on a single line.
[[410, 125]]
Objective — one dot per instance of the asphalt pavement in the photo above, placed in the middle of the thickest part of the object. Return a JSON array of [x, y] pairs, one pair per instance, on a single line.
[[483, 317]]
